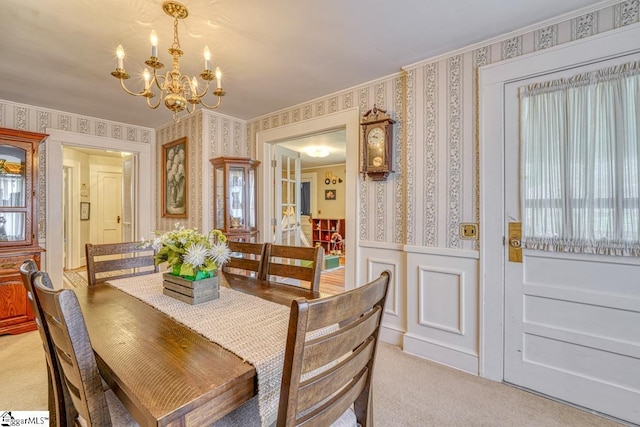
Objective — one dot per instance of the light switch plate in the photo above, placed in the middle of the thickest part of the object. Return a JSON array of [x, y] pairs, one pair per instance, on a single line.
[[469, 230]]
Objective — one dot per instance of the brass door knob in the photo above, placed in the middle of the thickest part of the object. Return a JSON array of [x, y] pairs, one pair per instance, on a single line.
[[515, 243]]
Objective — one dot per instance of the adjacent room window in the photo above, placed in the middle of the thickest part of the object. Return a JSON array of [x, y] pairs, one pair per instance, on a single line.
[[580, 159]]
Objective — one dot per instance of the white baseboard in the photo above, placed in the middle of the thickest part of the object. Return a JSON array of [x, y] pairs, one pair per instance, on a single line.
[[445, 355], [391, 335]]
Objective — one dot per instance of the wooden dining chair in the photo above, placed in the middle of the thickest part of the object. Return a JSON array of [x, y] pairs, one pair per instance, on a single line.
[[68, 332], [329, 357], [111, 261], [59, 413], [246, 258], [295, 262]]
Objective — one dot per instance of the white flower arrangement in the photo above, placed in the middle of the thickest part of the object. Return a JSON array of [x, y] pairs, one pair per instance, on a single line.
[[189, 253]]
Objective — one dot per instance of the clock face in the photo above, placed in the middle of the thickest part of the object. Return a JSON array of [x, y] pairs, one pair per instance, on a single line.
[[375, 138]]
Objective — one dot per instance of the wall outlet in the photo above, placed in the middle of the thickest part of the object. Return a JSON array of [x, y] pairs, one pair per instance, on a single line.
[[469, 230]]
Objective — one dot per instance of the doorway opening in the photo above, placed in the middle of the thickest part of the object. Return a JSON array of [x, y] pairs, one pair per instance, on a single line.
[[318, 205], [98, 200], [266, 141]]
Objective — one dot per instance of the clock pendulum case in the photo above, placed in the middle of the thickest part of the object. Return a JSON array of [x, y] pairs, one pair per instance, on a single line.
[[377, 144]]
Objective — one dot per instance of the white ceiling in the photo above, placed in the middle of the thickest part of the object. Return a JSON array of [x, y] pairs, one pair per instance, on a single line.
[[333, 141], [274, 54]]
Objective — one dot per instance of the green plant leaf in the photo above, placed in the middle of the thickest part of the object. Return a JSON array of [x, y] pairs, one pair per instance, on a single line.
[[187, 270]]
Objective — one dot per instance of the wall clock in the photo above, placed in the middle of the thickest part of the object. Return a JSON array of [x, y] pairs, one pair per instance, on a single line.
[[377, 144]]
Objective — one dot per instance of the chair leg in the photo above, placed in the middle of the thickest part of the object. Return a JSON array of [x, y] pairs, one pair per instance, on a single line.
[[53, 410]]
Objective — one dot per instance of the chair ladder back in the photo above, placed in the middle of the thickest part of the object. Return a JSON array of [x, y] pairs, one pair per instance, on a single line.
[[74, 352], [59, 412], [323, 350], [329, 356], [135, 260], [345, 308], [321, 386], [296, 262], [252, 259]]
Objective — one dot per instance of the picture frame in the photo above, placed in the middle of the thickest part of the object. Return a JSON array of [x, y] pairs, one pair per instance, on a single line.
[[85, 210], [330, 194], [175, 178]]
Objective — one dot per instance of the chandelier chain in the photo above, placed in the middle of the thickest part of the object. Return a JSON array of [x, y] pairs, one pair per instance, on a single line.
[[176, 40]]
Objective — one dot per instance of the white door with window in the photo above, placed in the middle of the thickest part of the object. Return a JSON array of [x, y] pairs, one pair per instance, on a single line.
[[572, 320], [287, 197]]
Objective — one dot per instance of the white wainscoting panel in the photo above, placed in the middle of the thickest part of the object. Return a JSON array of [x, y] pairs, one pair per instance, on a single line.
[[442, 306], [376, 259], [441, 299]]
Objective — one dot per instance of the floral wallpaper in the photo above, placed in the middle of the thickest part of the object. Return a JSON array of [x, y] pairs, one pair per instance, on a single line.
[[37, 119], [435, 186], [209, 135]]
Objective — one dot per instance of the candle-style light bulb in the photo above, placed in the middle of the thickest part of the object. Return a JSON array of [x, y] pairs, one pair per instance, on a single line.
[[154, 43], [207, 58], [120, 55], [147, 78], [219, 77], [194, 86]]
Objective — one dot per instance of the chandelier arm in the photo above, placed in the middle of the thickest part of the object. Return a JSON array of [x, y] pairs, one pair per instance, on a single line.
[[185, 81], [153, 107], [156, 78], [212, 106], [203, 93], [143, 93]]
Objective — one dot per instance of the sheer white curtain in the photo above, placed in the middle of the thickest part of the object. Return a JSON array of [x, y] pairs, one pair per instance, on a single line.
[[580, 158]]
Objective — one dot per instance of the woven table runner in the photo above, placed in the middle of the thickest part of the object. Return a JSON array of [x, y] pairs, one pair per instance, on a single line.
[[252, 328]]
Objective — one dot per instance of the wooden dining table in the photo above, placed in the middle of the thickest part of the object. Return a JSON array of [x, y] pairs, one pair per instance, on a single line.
[[165, 373]]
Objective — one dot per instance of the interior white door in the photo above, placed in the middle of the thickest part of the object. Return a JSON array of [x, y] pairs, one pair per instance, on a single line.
[[109, 209], [571, 320], [287, 197]]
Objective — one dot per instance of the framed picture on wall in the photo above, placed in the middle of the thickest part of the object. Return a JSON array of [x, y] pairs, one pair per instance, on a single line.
[[85, 209], [175, 179], [330, 194]]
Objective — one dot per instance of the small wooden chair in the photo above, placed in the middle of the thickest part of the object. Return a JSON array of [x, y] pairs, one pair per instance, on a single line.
[[296, 262], [118, 260], [250, 260], [59, 413], [78, 368], [325, 373]]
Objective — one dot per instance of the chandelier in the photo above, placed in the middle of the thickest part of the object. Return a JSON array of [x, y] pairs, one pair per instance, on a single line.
[[179, 91]]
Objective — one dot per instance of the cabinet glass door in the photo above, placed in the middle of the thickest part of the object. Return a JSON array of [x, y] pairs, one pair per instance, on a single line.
[[219, 199], [251, 188], [13, 206], [236, 192]]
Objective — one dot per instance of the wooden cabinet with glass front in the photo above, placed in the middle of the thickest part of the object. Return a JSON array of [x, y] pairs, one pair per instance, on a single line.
[[18, 225]]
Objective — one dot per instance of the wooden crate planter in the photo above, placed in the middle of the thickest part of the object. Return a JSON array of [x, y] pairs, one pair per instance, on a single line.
[[191, 291]]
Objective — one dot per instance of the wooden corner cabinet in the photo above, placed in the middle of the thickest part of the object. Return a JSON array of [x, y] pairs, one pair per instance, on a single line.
[[234, 197], [329, 233], [18, 225]]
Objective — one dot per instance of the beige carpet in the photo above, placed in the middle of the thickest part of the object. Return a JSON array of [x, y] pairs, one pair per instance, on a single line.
[[408, 391], [23, 370], [411, 391]]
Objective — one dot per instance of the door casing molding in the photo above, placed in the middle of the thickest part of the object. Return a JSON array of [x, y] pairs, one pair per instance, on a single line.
[[145, 203], [265, 139]]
